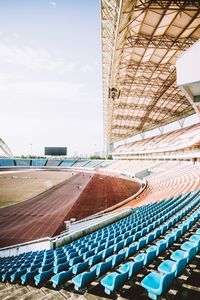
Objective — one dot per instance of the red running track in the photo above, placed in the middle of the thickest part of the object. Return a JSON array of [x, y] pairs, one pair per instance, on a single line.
[[44, 214]]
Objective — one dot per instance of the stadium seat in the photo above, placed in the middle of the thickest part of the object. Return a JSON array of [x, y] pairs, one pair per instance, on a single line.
[[113, 281], [80, 267], [83, 279], [181, 259], [191, 248], [43, 276], [156, 284], [61, 267], [61, 277]]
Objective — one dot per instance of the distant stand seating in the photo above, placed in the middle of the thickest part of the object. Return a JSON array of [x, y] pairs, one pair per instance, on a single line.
[[178, 142], [7, 162], [38, 162], [23, 162]]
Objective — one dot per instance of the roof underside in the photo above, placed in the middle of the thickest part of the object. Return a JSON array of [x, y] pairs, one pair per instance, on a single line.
[[141, 41]]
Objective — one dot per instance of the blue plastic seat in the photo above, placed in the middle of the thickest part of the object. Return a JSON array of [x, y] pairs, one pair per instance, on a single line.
[[156, 284], [129, 240], [102, 267], [150, 254], [5, 276], [141, 243], [107, 252], [150, 237], [83, 279], [47, 261], [167, 266], [17, 275], [95, 259], [60, 260], [132, 267], [80, 267], [181, 258], [88, 253], [72, 255], [195, 238], [119, 246], [161, 246], [191, 248], [177, 232], [61, 267], [170, 238], [28, 276], [45, 268], [118, 258], [131, 249], [41, 277], [99, 248], [113, 281], [75, 260], [61, 277]]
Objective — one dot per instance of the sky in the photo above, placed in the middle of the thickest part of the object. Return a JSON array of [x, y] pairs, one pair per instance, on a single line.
[[50, 75]]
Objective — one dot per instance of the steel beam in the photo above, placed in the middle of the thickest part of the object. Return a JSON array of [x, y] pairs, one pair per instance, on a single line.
[[161, 42]]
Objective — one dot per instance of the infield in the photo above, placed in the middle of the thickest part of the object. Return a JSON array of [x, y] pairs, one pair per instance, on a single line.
[[16, 187]]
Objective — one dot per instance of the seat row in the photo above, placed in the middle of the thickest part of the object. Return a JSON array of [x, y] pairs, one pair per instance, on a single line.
[[156, 283]]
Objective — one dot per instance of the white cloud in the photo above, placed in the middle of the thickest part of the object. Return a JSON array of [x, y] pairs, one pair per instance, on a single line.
[[33, 58], [52, 3]]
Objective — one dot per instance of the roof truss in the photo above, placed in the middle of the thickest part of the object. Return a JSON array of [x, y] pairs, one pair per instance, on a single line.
[[141, 41]]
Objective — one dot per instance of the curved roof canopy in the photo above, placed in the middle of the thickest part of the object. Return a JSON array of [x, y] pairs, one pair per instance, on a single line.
[[4, 149], [141, 41]]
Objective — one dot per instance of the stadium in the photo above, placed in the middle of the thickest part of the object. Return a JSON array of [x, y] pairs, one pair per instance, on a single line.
[[126, 226]]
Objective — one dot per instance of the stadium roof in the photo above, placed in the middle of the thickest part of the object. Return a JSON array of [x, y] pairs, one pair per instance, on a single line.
[[4, 149], [141, 41]]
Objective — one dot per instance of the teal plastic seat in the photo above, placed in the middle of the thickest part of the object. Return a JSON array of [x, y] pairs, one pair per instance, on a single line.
[[75, 260], [95, 259], [80, 267], [132, 267], [118, 258], [45, 268], [181, 259], [60, 260], [107, 252], [41, 277], [170, 238], [161, 246], [61, 277], [141, 243], [113, 281], [167, 266], [119, 246], [102, 267], [156, 284], [150, 237], [191, 248], [131, 249], [88, 253], [28, 276], [150, 254], [83, 279], [17, 275], [61, 267], [195, 238]]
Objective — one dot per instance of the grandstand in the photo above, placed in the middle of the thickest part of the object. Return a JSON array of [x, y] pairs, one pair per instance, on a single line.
[[182, 143], [133, 222]]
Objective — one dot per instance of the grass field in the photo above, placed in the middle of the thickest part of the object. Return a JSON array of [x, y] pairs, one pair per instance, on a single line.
[[16, 187]]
